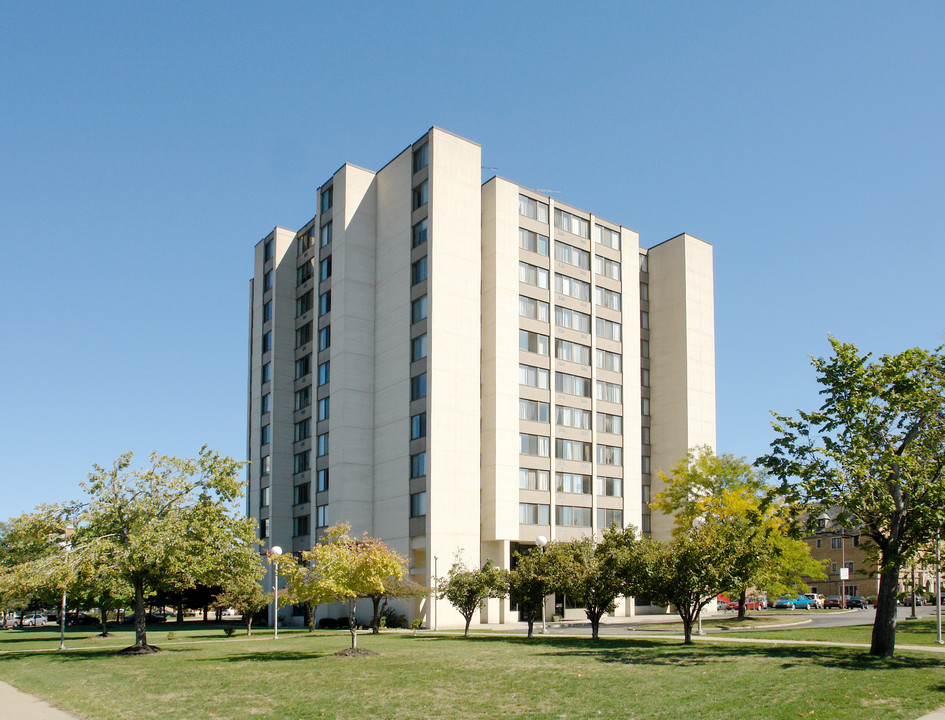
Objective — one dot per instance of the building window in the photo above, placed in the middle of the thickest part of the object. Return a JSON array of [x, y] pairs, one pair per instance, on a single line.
[[267, 341], [572, 287], [324, 303], [610, 486], [264, 435], [324, 338], [421, 194], [418, 504], [607, 267], [303, 398], [645, 493], [607, 298], [644, 348], [322, 485], [266, 404], [607, 423], [533, 377], [532, 514], [849, 566], [326, 199], [607, 237], [264, 497], [303, 366], [572, 319], [303, 335], [609, 516], [572, 450], [418, 348], [324, 373], [645, 406], [266, 375], [644, 263], [300, 526], [572, 224], [530, 479], [856, 541], [607, 360], [322, 445], [645, 464], [646, 524], [819, 543], [267, 250], [321, 516], [533, 342], [572, 352], [420, 232], [534, 209], [267, 310], [644, 320], [573, 483], [418, 386], [532, 275], [572, 417], [301, 462], [836, 543], [608, 329], [263, 528], [833, 567], [645, 377], [303, 272], [324, 268], [610, 392], [324, 238], [418, 271], [265, 465], [571, 255], [418, 309], [303, 430], [572, 384], [418, 465], [609, 455], [532, 241], [303, 303], [304, 242], [533, 410], [303, 493], [420, 159], [568, 516], [418, 426], [267, 281], [644, 292], [323, 409], [534, 445], [532, 308], [645, 435]]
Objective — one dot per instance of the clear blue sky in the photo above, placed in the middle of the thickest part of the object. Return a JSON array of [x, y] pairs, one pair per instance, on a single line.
[[146, 147]]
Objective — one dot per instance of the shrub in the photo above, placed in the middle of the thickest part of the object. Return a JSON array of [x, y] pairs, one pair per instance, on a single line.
[[229, 630], [171, 635], [327, 623], [392, 619]]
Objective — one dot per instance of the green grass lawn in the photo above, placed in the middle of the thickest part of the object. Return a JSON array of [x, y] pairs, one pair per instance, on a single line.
[[908, 632], [202, 675]]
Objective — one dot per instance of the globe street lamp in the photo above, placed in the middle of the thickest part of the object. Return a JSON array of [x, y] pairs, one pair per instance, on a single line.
[[541, 541], [275, 553], [66, 543]]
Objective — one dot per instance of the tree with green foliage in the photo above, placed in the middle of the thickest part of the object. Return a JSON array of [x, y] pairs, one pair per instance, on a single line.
[[170, 524], [703, 485], [346, 568], [245, 595], [594, 574], [402, 588], [530, 581], [875, 449], [467, 588], [689, 571]]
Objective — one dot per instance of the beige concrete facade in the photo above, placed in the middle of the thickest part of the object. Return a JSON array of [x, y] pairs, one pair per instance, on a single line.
[[493, 365]]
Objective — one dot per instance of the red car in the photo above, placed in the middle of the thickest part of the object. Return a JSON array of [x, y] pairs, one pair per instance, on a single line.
[[750, 604], [833, 601]]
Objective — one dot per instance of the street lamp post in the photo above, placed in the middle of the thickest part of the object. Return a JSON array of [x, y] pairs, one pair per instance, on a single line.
[[275, 552], [938, 590], [66, 543], [435, 593], [541, 541]]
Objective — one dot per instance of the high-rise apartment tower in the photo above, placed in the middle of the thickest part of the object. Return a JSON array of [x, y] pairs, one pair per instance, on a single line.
[[458, 367]]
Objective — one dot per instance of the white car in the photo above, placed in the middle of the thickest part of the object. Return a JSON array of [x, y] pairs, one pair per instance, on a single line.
[[817, 599], [33, 620]]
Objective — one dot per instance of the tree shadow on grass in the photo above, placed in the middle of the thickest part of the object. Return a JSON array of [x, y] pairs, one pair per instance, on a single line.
[[274, 656]]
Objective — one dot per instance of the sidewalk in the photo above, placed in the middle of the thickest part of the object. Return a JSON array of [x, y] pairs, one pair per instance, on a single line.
[[22, 706]]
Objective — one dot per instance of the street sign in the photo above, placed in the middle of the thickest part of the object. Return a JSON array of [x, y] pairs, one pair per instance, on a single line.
[[844, 573]]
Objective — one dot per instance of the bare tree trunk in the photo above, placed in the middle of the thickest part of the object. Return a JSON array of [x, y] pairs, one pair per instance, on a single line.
[[376, 619], [466, 631], [594, 617], [883, 641], [249, 624], [742, 602], [141, 627], [352, 625], [103, 616], [531, 625], [180, 609]]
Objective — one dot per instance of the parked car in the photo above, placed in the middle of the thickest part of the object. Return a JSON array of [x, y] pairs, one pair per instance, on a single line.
[[791, 602], [833, 601], [82, 619], [857, 601], [33, 620], [750, 604], [818, 600], [907, 600]]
